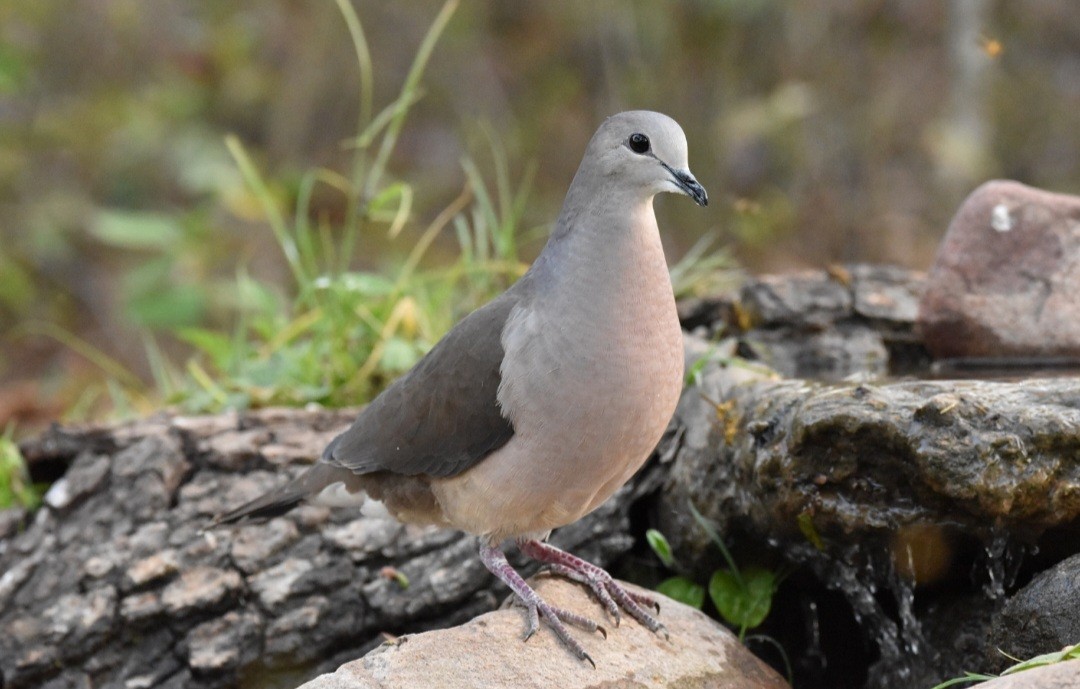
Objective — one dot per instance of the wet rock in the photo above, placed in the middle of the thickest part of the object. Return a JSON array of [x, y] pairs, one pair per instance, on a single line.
[[857, 458], [1044, 616], [873, 490], [786, 455], [1004, 281], [700, 653]]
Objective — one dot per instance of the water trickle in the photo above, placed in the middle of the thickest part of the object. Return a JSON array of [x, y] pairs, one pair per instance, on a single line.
[[866, 577], [1003, 559]]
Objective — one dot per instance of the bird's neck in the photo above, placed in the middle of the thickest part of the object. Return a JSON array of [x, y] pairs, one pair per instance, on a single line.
[[607, 245]]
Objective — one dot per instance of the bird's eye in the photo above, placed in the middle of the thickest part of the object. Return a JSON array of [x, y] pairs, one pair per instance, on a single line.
[[639, 143]]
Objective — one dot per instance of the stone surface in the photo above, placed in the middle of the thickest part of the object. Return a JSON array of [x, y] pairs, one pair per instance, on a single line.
[[872, 491], [488, 651], [1044, 616], [823, 324], [1005, 279], [1057, 676], [116, 583], [858, 458]]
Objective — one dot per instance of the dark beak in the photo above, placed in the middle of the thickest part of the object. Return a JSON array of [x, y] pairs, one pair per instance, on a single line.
[[685, 181]]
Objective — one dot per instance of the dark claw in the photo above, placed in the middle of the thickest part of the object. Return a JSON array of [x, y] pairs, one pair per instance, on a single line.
[[602, 631], [528, 635], [591, 661]]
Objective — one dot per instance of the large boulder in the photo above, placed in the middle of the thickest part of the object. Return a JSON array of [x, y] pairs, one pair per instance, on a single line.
[[1006, 276], [1043, 616]]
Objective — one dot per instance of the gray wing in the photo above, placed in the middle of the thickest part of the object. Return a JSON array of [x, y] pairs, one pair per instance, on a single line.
[[442, 417]]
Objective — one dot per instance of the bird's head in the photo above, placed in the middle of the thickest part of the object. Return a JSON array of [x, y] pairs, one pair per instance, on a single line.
[[647, 151]]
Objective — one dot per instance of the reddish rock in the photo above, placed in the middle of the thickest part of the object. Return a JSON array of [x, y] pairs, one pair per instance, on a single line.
[[1006, 281]]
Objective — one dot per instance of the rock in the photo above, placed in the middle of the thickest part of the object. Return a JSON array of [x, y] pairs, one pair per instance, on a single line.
[[1044, 616], [152, 568], [1005, 278], [851, 459], [274, 585], [825, 324], [1057, 676], [225, 643], [873, 490], [84, 477], [489, 651], [117, 581], [200, 588]]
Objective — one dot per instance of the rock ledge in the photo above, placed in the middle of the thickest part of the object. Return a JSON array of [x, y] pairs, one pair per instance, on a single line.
[[488, 651]]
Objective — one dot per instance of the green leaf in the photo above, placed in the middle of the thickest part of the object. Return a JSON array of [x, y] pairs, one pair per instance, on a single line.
[[661, 547], [399, 355], [168, 308], [684, 591], [368, 284], [257, 297], [388, 198], [218, 346], [967, 678], [15, 486], [744, 605], [1067, 653], [13, 69], [136, 229], [806, 525]]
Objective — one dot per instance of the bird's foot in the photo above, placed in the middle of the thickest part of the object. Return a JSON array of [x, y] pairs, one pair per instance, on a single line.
[[610, 593], [494, 559]]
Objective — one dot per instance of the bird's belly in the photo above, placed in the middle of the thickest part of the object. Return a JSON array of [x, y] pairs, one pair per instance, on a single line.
[[602, 416]]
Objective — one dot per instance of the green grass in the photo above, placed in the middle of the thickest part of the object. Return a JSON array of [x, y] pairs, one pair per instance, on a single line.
[[341, 335], [1068, 653], [332, 335]]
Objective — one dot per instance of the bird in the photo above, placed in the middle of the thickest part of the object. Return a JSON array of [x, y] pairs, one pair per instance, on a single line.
[[536, 407]]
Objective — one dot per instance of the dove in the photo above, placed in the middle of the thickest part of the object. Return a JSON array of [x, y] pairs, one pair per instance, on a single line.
[[539, 405]]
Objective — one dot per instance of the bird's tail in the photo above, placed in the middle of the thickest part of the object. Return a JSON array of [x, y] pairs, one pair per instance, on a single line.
[[281, 500]]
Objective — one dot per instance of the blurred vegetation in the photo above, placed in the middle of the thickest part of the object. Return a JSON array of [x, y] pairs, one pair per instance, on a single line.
[[16, 490], [132, 235]]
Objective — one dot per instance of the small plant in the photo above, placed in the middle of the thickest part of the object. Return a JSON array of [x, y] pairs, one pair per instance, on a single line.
[[1067, 653], [15, 487], [742, 596]]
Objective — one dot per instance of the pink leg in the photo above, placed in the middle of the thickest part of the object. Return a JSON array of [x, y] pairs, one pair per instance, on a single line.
[[494, 559], [610, 593]]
